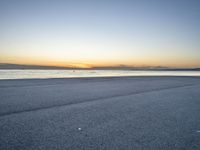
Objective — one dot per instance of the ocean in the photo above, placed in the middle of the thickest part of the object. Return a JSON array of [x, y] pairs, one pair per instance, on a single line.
[[37, 74]]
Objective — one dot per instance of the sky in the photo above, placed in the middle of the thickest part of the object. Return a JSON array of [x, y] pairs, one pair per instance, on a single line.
[[88, 33]]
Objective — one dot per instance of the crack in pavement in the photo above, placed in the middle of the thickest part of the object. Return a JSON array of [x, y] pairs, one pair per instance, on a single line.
[[90, 100]]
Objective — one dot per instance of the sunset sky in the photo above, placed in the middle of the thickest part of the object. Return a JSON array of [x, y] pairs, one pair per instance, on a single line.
[[87, 33]]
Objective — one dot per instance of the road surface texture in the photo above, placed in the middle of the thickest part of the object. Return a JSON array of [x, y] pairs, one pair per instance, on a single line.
[[103, 113]]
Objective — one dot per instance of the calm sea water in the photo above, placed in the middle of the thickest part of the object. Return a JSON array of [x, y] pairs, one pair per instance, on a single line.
[[27, 74]]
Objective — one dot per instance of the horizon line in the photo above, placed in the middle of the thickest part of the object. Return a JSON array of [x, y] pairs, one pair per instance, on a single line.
[[112, 67]]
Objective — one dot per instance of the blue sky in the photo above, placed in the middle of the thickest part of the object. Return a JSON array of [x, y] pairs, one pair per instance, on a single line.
[[95, 33]]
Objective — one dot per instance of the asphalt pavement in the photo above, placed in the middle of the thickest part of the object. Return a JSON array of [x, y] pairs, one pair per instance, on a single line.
[[111, 113]]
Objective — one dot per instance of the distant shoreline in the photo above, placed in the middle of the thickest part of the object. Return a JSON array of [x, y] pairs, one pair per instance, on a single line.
[[198, 69], [4, 66]]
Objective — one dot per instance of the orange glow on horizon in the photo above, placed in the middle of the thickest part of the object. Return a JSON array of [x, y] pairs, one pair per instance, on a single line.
[[91, 64]]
